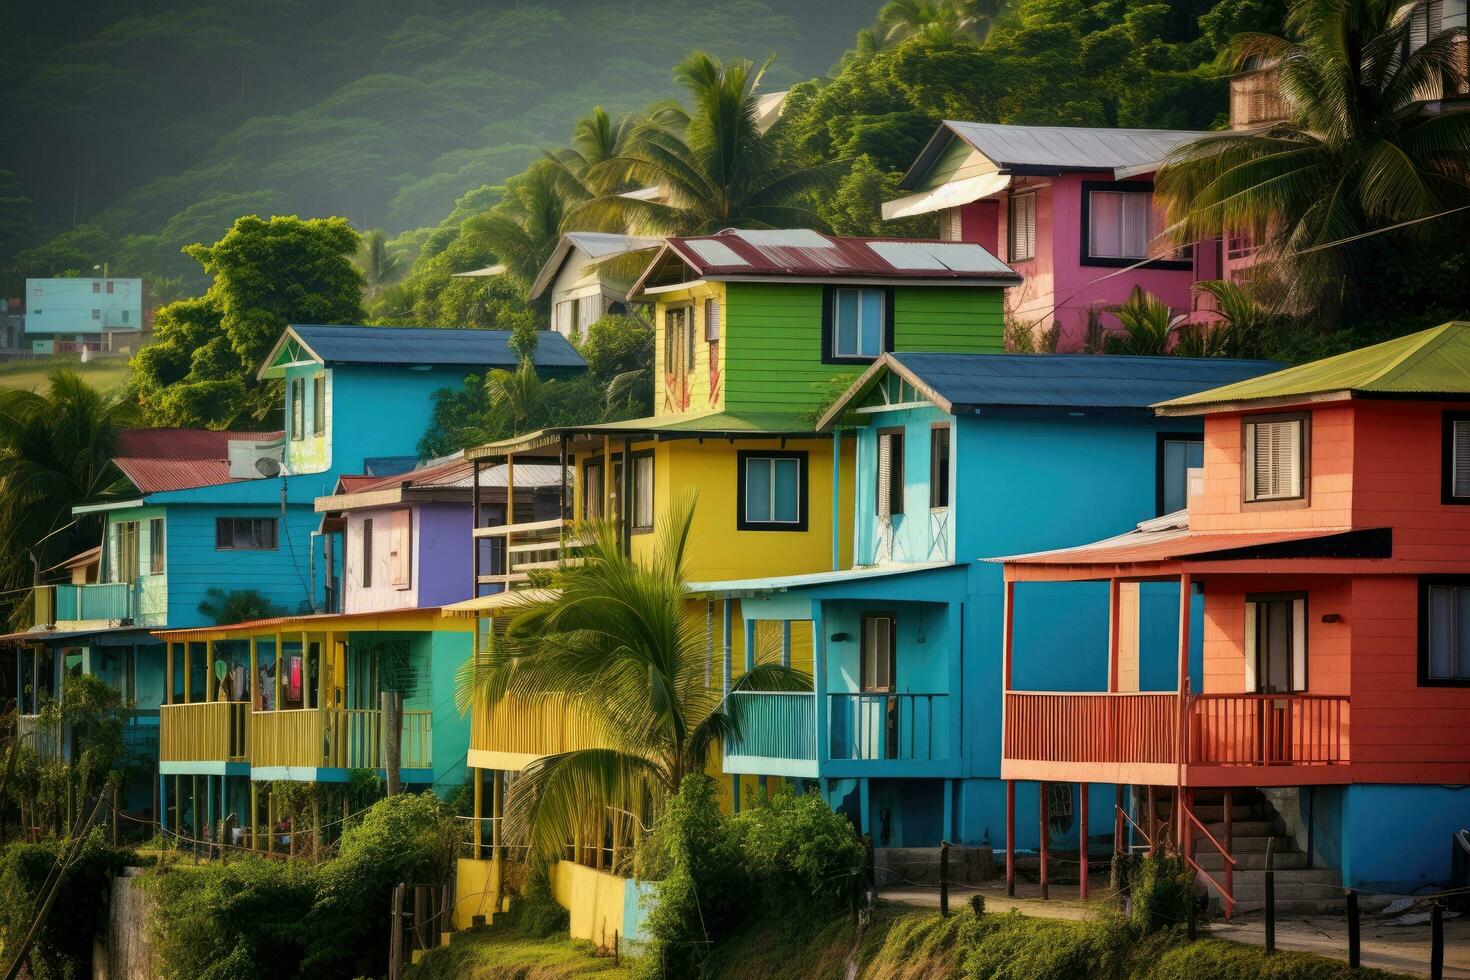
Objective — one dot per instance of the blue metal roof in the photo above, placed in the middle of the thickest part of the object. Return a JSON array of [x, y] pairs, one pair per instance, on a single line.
[[967, 381], [343, 344]]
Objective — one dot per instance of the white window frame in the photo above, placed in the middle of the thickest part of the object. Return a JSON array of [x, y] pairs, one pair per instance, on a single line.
[[837, 351]]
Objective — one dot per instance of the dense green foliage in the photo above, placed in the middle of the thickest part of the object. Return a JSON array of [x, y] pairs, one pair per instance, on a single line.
[[63, 949], [257, 917], [238, 606], [153, 124], [200, 370], [716, 873]]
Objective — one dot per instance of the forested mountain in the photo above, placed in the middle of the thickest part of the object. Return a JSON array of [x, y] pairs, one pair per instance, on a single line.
[[139, 126]]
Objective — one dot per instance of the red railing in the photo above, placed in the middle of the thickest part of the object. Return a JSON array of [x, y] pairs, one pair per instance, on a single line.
[[1268, 729], [1222, 729], [1096, 727]]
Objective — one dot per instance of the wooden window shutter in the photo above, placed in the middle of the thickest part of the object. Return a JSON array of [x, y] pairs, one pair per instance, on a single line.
[[1275, 450], [712, 320], [885, 474], [1250, 647], [400, 548], [1460, 459]]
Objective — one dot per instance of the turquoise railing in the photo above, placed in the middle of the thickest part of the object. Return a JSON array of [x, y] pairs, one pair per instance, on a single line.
[[775, 725], [107, 600], [907, 727]]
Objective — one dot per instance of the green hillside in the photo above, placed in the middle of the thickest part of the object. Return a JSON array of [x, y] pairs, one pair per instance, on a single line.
[[160, 122]]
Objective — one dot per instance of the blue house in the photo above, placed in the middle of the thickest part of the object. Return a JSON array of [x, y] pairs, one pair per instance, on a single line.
[[960, 457]]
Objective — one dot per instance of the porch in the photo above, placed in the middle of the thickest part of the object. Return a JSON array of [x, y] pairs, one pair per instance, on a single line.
[[71, 605]]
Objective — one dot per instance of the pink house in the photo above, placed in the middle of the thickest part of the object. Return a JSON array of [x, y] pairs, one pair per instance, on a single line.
[[1070, 209]]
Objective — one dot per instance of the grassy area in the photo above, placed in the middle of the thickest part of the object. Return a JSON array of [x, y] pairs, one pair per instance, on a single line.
[[903, 943], [103, 372]]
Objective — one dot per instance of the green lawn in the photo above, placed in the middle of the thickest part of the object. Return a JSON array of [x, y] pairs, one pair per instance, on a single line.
[[493, 952], [104, 372]]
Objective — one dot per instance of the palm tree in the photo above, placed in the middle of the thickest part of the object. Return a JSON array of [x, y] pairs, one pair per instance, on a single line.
[[1357, 155], [379, 265], [1148, 325], [520, 401], [715, 167], [522, 230], [936, 19], [616, 640], [596, 139], [55, 452]]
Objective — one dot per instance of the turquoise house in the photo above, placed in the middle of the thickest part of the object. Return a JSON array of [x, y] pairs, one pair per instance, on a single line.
[[960, 457]]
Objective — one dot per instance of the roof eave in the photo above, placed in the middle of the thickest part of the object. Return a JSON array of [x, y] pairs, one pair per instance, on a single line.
[[265, 368], [868, 379], [552, 266]]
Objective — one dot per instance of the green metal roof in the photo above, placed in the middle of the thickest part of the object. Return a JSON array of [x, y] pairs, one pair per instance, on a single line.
[[1431, 362]]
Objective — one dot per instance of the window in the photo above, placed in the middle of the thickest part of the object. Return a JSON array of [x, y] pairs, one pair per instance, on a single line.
[[712, 320], [1178, 454], [400, 548], [245, 534], [110, 285], [593, 491], [319, 403], [128, 566], [588, 310], [564, 319], [1444, 631], [1275, 452], [96, 314], [1276, 643], [1022, 223], [859, 323], [643, 492], [124, 316], [1455, 459], [679, 341], [367, 553], [298, 408], [890, 472], [1122, 224], [96, 287], [156, 564], [772, 493], [939, 466], [877, 653]]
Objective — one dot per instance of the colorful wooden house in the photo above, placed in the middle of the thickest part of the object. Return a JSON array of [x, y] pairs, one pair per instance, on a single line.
[[586, 278], [959, 456], [1327, 715], [1069, 208]]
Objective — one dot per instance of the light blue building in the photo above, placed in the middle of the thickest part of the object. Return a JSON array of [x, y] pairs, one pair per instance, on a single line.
[[960, 457], [72, 313]]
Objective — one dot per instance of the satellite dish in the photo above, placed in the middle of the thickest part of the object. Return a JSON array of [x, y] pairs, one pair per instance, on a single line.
[[268, 467]]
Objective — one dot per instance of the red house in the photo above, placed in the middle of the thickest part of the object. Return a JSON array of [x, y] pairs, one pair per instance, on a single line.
[[1320, 699]]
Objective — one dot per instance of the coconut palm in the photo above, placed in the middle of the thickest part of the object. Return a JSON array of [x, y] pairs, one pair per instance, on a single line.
[[936, 19], [713, 165], [1148, 325], [523, 228], [617, 642], [596, 139], [55, 452], [1358, 153], [520, 400], [379, 265]]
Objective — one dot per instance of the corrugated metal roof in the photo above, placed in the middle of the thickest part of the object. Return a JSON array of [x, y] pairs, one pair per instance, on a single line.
[[347, 344], [156, 460], [457, 473], [783, 582], [1145, 546], [712, 424], [594, 245], [803, 253], [1069, 380], [1431, 362]]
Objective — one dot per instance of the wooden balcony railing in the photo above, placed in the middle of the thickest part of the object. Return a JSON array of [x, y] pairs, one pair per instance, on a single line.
[[1267, 729], [85, 603], [1143, 728], [775, 725], [336, 738], [211, 731], [1092, 727], [548, 727], [912, 727]]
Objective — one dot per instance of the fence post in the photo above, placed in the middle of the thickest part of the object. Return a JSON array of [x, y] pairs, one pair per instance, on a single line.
[[617, 957], [872, 863], [1436, 941], [944, 877], [1270, 877], [1355, 951]]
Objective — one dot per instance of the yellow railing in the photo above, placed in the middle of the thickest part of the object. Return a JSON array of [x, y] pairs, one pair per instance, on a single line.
[[547, 727], [211, 731], [337, 738]]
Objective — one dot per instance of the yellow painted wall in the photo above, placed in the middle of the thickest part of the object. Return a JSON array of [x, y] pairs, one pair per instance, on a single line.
[[706, 392], [594, 899], [475, 887]]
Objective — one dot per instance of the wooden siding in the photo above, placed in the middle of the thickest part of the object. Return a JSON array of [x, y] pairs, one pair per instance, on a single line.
[[706, 389], [953, 320], [1396, 482], [773, 349], [957, 161]]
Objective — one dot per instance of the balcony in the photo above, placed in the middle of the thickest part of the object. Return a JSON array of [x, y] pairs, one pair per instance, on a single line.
[[102, 602], [778, 734], [334, 738], [214, 731], [897, 727], [1227, 739], [512, 734], [516, 550]]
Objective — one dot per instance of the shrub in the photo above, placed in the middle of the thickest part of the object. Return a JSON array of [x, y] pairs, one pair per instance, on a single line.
[[802, 852], [1014, 946], [1162, 888], [63, 949], [538, 914]]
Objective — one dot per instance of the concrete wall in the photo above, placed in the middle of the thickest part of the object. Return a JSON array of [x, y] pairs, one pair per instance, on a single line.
[[600, 903]]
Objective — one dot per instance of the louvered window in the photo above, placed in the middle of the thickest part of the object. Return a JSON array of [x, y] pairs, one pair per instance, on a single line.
[[1022, 227], [1455, 459], [712, 321], [890, 473], [1274, 452]]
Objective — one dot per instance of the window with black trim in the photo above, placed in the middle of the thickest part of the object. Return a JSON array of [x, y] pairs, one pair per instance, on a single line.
[[245, 534], [1455, 459], [879, 653], [939, 466], [890, 472], [1444, 631], [367, 554], [1121, 225], [1178, 453], [1021, 221], [1275, 458], [857, 323], [772, 495], [156, 546]]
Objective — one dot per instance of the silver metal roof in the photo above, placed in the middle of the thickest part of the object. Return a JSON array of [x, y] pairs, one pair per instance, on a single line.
[[716, 253], [1071, 147], [955, 256]]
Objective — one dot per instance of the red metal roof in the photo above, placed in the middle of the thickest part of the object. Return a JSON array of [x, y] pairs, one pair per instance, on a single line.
[[450, 473], [811, 254], [156, 460]]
